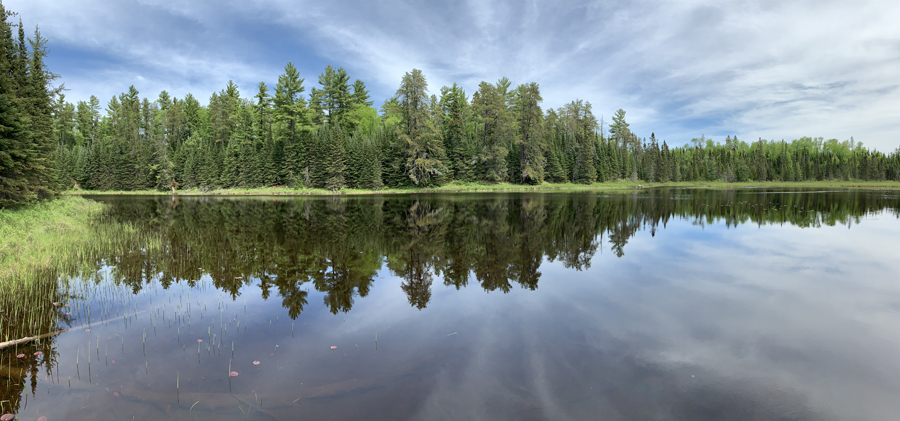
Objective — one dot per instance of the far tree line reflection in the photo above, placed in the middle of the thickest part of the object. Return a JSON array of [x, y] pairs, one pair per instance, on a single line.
[[337, 245]]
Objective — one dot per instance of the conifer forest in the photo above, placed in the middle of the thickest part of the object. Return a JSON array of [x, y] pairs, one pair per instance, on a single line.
[[224, 210], [330, 136]]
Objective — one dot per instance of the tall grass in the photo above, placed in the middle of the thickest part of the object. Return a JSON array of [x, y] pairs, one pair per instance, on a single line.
[[43, 249], [32, 238]]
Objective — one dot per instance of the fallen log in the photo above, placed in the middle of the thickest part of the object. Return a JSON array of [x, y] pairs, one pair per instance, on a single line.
[[8, 344]]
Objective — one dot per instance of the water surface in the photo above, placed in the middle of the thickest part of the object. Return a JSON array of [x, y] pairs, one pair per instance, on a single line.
[[658, 304]]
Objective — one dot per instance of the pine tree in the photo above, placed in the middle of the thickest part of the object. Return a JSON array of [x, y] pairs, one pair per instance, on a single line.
[[420, 141], [619, 129], [584, 126], [393, 160], [360, 96], [497, 130], [336, 97], [530, 140]]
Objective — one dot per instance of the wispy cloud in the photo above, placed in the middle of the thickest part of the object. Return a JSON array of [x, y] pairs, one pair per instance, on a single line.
[[766, 69]]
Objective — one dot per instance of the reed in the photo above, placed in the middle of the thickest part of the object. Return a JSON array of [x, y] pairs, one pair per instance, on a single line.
[[48, 252]]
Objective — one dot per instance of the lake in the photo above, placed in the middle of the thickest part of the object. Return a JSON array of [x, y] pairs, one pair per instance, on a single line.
[[658, 304]]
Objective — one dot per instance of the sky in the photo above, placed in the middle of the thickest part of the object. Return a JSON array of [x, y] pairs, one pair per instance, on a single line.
[[754, 69]]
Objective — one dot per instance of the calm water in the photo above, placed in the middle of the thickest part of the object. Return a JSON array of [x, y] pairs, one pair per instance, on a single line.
[[650, 305]]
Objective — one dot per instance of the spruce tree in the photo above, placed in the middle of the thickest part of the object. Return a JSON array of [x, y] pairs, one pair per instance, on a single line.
[[584, 131], [496, 132], [15, 153], [335, 164], [454, 104], [370, 174], [665, 164], [555, 171], [761, 170], [27, 146], [530, 140]]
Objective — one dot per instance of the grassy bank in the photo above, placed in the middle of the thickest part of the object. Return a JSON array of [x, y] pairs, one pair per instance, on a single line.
[[31, 238], [507, 187], [35, 243], [44, 247]]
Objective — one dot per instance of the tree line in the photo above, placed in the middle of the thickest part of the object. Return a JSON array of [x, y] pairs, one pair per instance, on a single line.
[[333, 139]]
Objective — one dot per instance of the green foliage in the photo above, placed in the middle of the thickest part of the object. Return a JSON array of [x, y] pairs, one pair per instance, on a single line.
[[497, 129], [363, 163], [619, 128], [421, 142], [334, 139], [27, 132], [530, 140], [583, 127], [336, 98]]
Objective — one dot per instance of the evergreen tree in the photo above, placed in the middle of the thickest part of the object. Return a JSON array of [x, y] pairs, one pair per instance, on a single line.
[[530, 140], [555, 171], [334, 160], [363, 165], [454, 103], [665, 168], [421, 141], [619, 128], [336, 97], [584, 127], [360, 96], [761, 167], [496, 131], [27, 146], [15, 153], [43, 174], [417, 140]]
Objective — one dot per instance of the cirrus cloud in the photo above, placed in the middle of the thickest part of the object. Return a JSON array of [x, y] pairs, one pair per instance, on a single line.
[[765, 68]]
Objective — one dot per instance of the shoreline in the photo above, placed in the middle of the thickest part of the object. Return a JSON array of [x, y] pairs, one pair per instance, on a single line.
[[503, 188]]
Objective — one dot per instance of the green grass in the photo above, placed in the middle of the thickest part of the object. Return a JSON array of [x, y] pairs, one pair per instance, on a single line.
[[457, 187], [32, 238], [35, 241], [43, 247]]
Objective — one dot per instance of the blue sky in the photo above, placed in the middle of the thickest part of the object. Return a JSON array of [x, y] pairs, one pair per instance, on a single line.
[[765, 68]]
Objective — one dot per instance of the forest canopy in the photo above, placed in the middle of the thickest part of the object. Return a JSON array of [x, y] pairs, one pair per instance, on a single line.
[[331, 136]]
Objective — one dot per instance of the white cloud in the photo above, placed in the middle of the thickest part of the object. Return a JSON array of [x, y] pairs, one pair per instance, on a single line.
[[756, 69]]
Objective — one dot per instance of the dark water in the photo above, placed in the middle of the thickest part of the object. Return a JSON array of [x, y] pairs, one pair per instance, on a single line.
[[651, 305]]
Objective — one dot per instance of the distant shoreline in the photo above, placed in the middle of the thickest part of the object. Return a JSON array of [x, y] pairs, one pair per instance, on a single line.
[[503, 188]]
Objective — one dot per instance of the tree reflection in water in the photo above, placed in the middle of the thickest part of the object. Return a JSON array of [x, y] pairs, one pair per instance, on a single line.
[[337, 245]]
